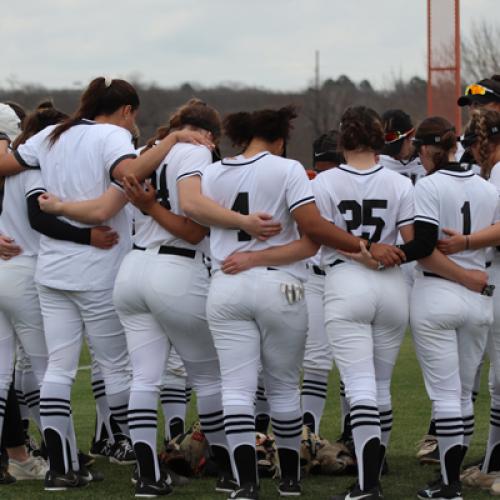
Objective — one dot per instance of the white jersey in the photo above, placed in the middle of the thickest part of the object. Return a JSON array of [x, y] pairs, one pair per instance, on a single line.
[[78, 167], [182, 161], [460, 200], [14, 220], [412, 169], [371, 204], [262, 183]]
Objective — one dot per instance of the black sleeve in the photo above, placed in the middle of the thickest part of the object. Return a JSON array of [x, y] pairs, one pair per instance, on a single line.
[[424, 243], [53, 227]]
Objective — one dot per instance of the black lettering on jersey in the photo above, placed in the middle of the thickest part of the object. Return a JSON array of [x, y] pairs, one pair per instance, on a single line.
[[241, 206], [362, 215], [465, 210], [159, 182]]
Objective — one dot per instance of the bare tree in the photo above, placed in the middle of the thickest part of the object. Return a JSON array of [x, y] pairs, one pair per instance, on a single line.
[[481, 51]]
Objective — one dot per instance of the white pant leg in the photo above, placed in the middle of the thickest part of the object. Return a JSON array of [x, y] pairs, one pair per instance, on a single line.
[[231, 316], [106, 335], [318, 353], [493, 348], [19, 301], [7, 352], [63, 334]]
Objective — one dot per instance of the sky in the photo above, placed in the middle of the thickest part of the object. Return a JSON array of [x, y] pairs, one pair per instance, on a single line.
[[264, 43]]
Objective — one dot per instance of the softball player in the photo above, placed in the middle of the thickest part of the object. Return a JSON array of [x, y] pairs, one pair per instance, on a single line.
[[160, 295], [455, 326], [78, 158], [21, 315], [483, 138]]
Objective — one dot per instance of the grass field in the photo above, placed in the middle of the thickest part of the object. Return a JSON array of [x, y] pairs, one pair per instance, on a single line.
[[411, 413]]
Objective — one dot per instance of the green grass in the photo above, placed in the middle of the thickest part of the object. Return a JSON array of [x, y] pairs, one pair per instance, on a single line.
[[411, 414]]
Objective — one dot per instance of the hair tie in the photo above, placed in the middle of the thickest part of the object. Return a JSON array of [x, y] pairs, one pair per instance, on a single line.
[[108, 81]]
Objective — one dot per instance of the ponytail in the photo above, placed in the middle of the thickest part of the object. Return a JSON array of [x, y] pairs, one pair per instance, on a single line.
[[103, 96]]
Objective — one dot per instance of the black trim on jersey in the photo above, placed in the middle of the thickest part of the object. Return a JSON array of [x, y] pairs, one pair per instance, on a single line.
[[193, 172], [468, 174], [35, 190], [118, 160], [361, 173], [21, 161], [431, 219], [307, 199], [4, 137], [244, 163], [85, 121], [403, 221]]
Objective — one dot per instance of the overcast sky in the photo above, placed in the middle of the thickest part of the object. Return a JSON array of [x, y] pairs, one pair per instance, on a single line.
[[268, 43]]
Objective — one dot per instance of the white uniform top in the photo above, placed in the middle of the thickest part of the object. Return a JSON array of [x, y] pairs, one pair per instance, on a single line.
[[458, 200], [78, 167], [14, 220], [371, 204], [262, 183], [182, 161], [412, 169]]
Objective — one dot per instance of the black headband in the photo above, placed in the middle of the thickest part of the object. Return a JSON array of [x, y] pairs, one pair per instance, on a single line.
[[470, 138]]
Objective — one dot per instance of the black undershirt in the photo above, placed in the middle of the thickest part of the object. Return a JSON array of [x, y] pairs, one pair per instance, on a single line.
[[424, 243], [51, 226]]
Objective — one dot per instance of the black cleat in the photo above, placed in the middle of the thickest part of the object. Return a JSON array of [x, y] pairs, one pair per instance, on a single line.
[[146, 488], [101, 448], [356, 493], [122, 453], [249, 491], [289, 487], [62, 482], [440, 491], [85, 459]]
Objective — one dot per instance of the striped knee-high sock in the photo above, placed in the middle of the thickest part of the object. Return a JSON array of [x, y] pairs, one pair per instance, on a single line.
[[313, 396]]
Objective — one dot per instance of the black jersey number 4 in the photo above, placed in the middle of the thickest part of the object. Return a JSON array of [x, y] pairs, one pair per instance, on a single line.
[[362, 215], [241, 206]]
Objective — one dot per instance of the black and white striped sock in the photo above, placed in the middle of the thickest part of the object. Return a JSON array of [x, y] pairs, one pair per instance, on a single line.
[[239, 423], [468, 429], [365, 424], [450, 436], [103, 413], [313, 396], [345, 421], [385, 428], [262, 412], [118, 406], [55, 413], [3, 404], [143, 425], [31, 390], [173, 403], [287, 429], [492, 458]]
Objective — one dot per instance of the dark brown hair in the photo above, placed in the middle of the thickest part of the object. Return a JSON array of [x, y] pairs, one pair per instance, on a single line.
[[44, 115], [18, 109], [195, 113], [483, 124], [438, 133], [267, 124], [101, 97], [361, 129]]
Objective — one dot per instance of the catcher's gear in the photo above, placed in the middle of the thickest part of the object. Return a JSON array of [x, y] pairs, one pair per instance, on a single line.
[[186, 454]]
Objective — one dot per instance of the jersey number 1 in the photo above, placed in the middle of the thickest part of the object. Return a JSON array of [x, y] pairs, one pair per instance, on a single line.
[[466, 213], [240, 205]]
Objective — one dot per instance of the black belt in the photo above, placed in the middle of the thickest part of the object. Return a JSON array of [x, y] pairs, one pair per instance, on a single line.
[[318, 271], [432, 275], [169, 250]]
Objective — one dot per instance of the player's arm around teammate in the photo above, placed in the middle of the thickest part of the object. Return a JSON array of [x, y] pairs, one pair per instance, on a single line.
[[160, 295], [445, 316]]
